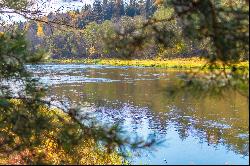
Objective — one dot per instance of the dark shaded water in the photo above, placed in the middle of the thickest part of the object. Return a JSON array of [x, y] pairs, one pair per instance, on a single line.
[[197, 131]]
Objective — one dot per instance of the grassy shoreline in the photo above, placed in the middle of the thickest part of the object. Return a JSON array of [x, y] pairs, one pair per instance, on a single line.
[[178, 63]]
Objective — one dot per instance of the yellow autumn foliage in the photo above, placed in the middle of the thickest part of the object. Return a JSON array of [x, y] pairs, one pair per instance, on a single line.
[[73, 14], [50, 151], [40, 32], [92, 50], [158, 2], [176, 63]]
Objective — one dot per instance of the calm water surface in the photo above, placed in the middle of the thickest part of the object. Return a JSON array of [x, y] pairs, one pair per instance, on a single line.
[[196, 131]]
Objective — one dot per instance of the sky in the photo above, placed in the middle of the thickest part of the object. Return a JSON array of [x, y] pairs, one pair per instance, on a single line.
[[47, 6], [53, 5]]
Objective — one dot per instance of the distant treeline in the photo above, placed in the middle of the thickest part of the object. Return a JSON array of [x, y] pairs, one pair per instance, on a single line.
[[92, 32]]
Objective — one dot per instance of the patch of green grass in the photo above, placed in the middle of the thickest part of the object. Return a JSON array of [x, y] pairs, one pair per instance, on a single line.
[[178, 63]]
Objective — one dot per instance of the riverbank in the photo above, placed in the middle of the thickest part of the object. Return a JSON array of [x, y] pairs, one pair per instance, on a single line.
[[178, 63]]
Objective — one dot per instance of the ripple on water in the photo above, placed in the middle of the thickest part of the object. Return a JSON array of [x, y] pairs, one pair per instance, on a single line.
[[67, 79]]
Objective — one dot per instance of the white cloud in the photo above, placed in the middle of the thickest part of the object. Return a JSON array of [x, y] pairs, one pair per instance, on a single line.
[[61, 5], [47, 6]]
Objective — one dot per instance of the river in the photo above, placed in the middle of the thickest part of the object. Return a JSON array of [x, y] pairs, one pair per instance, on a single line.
[[196, 131]]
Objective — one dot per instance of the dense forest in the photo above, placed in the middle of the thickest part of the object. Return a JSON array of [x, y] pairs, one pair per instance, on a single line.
[[94, 30], [101, 30]]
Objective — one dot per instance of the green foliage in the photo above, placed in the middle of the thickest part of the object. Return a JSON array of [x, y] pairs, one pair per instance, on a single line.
[[65, 44], [225, 22], [17, 4], [126, 33], [97, 11], [92, 36], [226, 25], [12, 45], [213, 84]]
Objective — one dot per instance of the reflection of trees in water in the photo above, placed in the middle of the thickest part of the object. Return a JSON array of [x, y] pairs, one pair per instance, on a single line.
[[135, 115], [185, 122], [213, 132], [158, 122]]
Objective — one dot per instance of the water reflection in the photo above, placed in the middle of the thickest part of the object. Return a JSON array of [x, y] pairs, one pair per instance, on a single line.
[[197, 131]]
